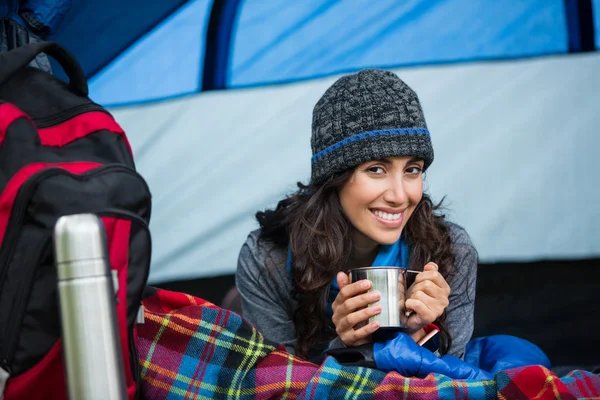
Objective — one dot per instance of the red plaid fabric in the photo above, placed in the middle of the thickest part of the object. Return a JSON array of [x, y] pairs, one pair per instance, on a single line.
[[192, 349]]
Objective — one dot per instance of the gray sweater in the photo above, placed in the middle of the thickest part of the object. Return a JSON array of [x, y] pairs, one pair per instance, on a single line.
[[265, 287]]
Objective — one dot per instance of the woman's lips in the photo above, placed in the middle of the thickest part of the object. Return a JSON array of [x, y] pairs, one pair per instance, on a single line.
[[389, 219]]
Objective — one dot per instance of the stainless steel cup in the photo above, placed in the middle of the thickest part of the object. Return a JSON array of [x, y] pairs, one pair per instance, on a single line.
[[391, 283]]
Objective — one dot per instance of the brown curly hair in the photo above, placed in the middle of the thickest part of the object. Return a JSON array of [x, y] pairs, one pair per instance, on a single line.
[[311, 221]]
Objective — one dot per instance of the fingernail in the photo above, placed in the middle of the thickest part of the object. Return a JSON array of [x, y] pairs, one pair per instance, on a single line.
[[365, 284], [375, 309], [374, 296], [375, 325]]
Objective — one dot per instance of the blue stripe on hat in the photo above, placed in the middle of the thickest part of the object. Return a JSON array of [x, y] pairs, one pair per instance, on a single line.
[[365, 135]]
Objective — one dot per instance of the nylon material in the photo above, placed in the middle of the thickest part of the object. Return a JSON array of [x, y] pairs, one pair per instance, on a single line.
[[39, 333], [14, 34], [47, 14], [120, 27], [177, 44], [41, 176], [484, 357], [45, 375], [79, 127], [120, 230], [496, 144], [308, 39], [8, 115], [40, 95], [315, 39], [32, 280], [139, 265], [596, 10]]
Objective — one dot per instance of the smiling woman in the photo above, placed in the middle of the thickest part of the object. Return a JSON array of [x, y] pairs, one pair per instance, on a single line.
[[380, 197], [364, 206]]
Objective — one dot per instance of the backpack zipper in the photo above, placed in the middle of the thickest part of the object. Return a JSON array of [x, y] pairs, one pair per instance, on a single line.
[[51, 120]]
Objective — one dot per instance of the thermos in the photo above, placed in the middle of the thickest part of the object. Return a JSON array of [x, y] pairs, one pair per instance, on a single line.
[[90, 338]]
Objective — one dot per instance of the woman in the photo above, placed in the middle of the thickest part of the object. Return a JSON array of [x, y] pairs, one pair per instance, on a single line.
[[364, 204]]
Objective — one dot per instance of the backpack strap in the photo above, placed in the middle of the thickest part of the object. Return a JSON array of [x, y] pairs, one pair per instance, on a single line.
[[13, 61]]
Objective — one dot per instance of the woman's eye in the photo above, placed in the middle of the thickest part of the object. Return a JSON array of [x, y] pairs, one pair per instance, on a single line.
[[376, 170], [413, 170]]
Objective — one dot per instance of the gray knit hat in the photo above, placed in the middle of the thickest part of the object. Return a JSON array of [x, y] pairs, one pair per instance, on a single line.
[[367, 116]]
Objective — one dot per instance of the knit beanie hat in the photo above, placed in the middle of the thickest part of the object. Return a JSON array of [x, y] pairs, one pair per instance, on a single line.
[[367, 116]]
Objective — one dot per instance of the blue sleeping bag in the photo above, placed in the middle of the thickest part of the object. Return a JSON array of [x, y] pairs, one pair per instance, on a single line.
[[483, 357]]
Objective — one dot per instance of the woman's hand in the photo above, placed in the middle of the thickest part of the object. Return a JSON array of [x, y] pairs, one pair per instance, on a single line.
[[427, 297], [350, 309]]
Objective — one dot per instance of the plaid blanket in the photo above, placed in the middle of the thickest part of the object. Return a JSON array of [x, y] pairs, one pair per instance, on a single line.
[[192, 349]]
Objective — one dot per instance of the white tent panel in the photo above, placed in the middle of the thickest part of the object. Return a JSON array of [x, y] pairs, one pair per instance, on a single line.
[[515, 144]]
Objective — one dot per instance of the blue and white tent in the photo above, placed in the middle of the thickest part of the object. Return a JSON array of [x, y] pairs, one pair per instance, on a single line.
[[216, 97]]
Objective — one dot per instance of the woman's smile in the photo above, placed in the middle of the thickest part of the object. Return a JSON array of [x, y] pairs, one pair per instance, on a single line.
[[391, 218]]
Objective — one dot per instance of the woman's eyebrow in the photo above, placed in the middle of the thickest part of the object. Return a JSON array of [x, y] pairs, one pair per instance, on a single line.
[[388, 161], [414, 160]]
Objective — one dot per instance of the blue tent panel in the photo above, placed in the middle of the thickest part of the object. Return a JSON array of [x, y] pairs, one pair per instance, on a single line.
[[279, 40], [166, 62], [97, 31]]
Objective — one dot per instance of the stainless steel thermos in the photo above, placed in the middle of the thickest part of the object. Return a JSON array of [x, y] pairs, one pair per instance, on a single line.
[[91, 344]]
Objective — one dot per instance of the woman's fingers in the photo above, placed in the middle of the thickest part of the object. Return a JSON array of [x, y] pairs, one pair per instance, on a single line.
[[360, 301], [353, 304], [433, 290], [356, 337], [431, 266], [355, 318], [350, 309], [426, 310], [355, 288], [431, 273], [342, 279], [349, 290]]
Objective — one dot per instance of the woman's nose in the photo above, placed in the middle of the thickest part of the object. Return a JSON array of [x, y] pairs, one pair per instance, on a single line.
[[395, 193]]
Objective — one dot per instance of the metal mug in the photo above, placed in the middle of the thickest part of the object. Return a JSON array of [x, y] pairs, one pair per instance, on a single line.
[[391, 283]]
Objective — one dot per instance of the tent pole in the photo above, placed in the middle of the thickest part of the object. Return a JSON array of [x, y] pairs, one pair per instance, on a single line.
[[218, 42]]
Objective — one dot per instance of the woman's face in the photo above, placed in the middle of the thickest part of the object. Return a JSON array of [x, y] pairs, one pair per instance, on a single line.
[[381, 195]]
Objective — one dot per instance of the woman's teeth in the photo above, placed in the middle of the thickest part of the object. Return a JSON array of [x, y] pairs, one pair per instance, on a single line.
[[387, 216]]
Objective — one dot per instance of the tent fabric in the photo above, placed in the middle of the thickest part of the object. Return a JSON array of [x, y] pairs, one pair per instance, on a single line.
[[166, 62], [596, 15], [97, 31], [277, 41], [514, 132], [515, 150]]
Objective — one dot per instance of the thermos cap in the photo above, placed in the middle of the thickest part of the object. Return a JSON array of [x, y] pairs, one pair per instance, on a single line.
[[79, 246]]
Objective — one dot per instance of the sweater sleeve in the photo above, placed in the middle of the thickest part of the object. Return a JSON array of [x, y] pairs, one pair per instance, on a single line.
[[460, 311], [262, 291]]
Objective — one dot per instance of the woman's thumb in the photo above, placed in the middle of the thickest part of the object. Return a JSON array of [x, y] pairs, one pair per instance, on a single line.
[[342, 279]]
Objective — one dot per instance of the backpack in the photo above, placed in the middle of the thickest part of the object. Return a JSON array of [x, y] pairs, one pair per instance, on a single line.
[[60, 154]]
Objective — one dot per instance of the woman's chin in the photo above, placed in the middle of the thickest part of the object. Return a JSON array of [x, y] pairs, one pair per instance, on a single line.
[[387, 239]]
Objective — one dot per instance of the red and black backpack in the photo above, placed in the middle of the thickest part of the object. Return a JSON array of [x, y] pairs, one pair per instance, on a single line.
[[60, 154]]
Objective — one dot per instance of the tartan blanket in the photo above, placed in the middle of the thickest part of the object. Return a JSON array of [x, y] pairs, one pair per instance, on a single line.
[[192, 349]]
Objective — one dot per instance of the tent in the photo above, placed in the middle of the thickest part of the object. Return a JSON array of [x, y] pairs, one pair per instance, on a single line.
[[216, 97]]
